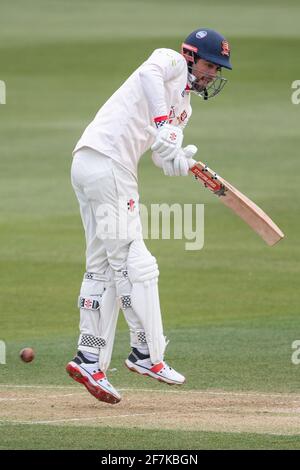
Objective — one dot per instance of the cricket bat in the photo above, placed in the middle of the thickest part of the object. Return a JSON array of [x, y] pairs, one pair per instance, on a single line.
[[246, 209]]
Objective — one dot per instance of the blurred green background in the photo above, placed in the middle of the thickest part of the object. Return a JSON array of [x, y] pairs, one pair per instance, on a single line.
[[230, 310]]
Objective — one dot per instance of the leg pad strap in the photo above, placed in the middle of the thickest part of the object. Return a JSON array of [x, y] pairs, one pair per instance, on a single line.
[[91, 341], [88, 303]]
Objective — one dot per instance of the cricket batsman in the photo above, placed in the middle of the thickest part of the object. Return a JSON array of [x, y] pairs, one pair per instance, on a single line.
[[150, 110]]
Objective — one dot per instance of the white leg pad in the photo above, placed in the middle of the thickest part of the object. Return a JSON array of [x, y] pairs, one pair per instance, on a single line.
[[109, 312], [143, 274], [137, 333], [98, 316]]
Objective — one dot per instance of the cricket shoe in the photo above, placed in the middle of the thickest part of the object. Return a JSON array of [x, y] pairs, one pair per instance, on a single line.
[[93, 379], [138, 362]]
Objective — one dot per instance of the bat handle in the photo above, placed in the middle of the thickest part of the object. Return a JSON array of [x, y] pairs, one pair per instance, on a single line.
[[192, 162]]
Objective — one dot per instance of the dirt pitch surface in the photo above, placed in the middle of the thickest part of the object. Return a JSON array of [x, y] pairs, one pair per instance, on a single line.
[[196, 410]]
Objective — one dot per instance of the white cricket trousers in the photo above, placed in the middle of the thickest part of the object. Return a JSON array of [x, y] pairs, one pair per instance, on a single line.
[[108, 198]]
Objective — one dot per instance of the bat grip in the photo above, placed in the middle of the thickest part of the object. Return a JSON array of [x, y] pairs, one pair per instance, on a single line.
[[192, 162]]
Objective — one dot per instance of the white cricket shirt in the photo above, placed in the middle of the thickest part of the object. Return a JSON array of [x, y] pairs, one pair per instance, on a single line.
[[155, 90]]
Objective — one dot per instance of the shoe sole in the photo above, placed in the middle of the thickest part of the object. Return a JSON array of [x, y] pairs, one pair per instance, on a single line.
[[160, 379], [96, 391]]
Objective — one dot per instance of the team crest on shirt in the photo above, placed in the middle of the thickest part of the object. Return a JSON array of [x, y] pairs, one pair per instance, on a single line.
[[171, 114], [179, 119], [131, 205], [183, 116]]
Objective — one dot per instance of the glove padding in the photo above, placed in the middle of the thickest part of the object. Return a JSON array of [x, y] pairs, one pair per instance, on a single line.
[[182, 162], [168, 140]]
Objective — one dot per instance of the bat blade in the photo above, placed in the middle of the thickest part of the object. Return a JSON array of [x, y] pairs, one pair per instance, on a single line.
[[240, 204]]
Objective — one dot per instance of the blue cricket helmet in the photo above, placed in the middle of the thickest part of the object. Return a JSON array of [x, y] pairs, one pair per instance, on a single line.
[[209, 45]]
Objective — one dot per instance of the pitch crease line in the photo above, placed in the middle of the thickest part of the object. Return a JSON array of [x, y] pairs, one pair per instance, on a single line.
[[41, 398], [77, 419]]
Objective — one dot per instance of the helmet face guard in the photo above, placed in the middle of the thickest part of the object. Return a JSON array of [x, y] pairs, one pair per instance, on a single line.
[[206, 92], [210, 46], [209, 91]]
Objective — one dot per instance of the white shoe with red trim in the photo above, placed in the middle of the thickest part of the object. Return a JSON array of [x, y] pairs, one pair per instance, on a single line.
[[93, 379], [142, 364]]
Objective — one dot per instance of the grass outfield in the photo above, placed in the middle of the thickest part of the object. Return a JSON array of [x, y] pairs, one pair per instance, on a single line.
[[231, 310], [54, 437]]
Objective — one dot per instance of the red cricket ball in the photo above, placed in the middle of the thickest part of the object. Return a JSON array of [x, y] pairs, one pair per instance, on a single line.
[[27, 354]]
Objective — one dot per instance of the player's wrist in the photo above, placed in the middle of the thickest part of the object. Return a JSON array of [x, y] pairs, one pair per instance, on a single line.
[[160, 121]]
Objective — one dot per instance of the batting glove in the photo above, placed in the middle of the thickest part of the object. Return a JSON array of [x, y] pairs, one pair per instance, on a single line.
[[168, 140], [189, 152], [182, 162]]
